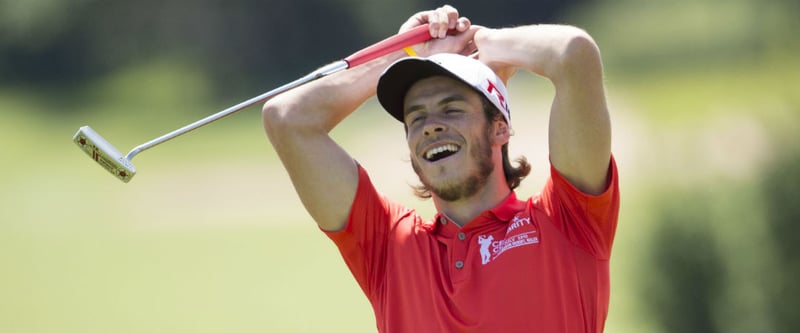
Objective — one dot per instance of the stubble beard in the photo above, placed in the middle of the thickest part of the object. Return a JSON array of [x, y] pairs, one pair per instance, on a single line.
[[481, 153]]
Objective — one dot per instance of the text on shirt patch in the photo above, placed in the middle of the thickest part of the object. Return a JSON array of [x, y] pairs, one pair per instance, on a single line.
[[491, 249]]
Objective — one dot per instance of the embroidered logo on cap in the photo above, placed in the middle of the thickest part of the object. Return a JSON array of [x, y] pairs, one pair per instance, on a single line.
[[496, 92]]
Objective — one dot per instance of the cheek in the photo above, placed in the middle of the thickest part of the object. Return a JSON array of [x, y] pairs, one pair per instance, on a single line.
[[411, 149], [412, 138]]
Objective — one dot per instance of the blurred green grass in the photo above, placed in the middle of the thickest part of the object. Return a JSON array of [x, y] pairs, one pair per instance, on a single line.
[[207, 280]]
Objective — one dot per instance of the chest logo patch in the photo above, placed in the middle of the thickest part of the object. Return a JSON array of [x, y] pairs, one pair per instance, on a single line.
[[520, 232]]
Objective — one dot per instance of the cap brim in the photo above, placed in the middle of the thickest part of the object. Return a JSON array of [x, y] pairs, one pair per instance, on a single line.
[[400, 76]]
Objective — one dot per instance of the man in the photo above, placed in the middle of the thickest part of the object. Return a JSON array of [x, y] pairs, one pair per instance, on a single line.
[[487, 262]]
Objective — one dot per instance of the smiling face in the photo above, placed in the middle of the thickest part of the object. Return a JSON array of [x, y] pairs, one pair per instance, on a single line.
[[448, 136]]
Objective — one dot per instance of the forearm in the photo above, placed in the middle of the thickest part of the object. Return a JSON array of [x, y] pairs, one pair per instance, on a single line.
[[322, 104], [556, 52]]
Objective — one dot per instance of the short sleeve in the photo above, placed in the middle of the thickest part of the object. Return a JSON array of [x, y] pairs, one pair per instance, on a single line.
[[589, 221], [364, 240]]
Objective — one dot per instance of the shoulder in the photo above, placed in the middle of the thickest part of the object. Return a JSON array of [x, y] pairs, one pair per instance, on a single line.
[[560, 198]]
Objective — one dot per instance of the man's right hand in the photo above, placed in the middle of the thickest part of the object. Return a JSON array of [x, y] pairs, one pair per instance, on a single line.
[[450, 33]]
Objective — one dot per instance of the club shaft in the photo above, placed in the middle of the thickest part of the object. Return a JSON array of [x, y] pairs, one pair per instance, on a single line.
[[319, 73]]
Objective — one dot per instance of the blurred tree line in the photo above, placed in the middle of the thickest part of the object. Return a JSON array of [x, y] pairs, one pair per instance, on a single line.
[[723, 259], [244, 46]]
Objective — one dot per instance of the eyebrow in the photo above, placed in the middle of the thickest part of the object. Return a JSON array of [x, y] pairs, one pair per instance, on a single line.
[[444, 101]]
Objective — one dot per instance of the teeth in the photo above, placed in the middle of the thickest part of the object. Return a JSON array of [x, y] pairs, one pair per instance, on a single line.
[[430, 153]]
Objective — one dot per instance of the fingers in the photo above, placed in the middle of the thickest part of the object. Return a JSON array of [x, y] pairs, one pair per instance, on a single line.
[[463, 24], [441, 20], [450, 33]]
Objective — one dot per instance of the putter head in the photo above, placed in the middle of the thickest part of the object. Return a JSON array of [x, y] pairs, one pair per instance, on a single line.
[[104, 153]]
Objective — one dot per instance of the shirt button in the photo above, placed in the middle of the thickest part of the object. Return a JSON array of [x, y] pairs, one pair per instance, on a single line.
[[442, 220], [459, 264], [462, 236]]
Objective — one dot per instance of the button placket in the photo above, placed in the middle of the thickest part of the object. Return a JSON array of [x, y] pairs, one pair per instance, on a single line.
[[460, 252]]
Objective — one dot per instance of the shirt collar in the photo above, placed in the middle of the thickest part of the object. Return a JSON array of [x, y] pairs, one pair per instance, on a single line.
[[502, 213]]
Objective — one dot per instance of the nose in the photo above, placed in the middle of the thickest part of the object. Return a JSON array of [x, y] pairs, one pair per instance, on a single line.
[[434, 127]]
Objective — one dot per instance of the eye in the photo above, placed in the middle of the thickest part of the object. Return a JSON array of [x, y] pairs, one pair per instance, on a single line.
[[414, 118], [452, 111]]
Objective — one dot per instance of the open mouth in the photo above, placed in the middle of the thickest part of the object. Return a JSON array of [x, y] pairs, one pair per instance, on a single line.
[[441, 152]]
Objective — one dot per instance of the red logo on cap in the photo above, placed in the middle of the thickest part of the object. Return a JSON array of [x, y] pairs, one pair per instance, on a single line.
[[493, 90]]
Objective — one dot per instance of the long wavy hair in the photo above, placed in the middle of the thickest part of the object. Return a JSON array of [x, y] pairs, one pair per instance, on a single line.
[[513, 174]]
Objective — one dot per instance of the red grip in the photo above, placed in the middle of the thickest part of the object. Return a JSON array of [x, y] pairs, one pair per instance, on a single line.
[[412, 37]]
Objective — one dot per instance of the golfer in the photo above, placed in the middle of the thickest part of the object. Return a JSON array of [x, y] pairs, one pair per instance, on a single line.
[[488, 261]]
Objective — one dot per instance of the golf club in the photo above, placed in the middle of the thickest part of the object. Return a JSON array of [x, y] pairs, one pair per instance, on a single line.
[[104, 153]]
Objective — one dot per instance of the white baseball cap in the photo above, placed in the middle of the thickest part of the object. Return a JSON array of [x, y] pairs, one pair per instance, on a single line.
[[402, 74]]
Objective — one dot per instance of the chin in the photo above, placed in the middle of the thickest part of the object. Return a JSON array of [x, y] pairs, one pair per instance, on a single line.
[[453, 179], [447, 177], [464, 188]]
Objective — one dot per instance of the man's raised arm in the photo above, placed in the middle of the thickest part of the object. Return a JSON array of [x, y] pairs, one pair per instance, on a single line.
[[580, 128], [298, 122]]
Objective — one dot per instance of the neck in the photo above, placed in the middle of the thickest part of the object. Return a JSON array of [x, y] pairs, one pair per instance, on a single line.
[[464, 210]]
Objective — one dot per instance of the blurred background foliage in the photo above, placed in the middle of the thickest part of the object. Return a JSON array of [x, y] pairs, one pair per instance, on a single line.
[[240, 45], [209, 237]]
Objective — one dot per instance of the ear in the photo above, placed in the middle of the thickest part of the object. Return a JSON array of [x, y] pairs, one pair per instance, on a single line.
[[501, 132]]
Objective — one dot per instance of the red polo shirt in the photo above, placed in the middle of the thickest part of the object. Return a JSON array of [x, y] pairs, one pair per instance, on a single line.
[[539, 265]]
